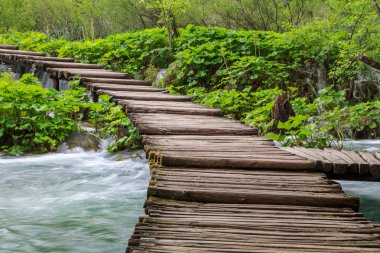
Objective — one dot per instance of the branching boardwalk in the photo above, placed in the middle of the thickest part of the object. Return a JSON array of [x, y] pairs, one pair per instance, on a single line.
[[218, 187]]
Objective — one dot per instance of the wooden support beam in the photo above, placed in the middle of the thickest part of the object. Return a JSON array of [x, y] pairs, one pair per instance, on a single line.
[[55, 83]]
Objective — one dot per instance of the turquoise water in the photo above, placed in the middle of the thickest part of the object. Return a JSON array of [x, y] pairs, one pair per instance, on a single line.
[[369, 194], [79, 202]]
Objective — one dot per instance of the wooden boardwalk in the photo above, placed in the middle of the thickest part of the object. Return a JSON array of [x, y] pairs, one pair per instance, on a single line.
[[218, 187]]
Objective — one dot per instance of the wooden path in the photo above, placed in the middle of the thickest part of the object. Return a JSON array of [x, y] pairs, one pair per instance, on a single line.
[[218, 187]]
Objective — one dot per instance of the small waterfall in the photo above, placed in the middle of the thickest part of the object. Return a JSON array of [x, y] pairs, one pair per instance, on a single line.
[[45, 79]]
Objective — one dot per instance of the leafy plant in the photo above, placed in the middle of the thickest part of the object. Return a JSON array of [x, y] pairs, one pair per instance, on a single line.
[[34, 119]]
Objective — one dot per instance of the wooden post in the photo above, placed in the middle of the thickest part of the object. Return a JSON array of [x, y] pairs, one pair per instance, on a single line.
[[22, 70], [55, 83], [95, 97]]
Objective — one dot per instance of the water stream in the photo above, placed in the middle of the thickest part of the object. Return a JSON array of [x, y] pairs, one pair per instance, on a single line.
[[70, 202], [368, 192]]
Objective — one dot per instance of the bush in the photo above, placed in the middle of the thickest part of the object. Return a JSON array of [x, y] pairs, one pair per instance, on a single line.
[[31, 118], [34, 119]]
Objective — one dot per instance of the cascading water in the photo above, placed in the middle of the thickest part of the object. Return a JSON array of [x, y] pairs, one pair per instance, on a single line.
[[70, 202]]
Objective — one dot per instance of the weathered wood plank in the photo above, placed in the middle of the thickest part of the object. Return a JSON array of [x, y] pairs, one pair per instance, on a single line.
[[144, 96], [327, 165], [303, 154], [17, 58], [340, 166], [221, 161], [256, 197], [363, 165], [168, 107], [66, 73], [70, 65], [373, 163], [117, 81], [352, 164], [20, 52], [121, 87], [173, 124], [9, 47]]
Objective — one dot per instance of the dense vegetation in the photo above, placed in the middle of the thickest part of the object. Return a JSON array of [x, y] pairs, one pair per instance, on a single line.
[[75, 19], [34, 119], [317, 59]]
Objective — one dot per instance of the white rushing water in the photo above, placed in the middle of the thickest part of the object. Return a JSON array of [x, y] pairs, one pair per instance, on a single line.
[[70, 202], [362, 145]]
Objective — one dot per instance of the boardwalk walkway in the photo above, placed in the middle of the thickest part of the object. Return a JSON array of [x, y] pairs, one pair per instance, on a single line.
[[218, 187]]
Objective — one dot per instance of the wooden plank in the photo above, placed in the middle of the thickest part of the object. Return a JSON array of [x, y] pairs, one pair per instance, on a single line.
[[223, 162], [157, 202], [71, 65], [318, 162], [144, 96], [352, 164], [328, 166], [168, 107], [20, 52], [252, 175], [206, 141], [363, 165], [340, 166], [241, 149], [9, 47], [174, 124], [120, 87], [117, 81], [373, 163], [66, 73], [240, 185], [256, 197], [25, 58], [266, 225]]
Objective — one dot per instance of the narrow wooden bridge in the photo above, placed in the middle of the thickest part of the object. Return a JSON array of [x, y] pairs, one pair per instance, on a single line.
[[218, 187]]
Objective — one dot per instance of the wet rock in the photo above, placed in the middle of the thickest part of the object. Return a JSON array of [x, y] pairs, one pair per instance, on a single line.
[[86, 141]]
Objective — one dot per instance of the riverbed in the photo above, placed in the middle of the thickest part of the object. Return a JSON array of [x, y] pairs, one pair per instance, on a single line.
[[71, 202]]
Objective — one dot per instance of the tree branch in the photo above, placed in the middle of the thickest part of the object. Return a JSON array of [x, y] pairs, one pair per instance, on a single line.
[[369, 61], [377, 8]]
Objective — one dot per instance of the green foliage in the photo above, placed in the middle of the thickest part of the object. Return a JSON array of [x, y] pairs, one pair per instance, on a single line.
[[217, 58], [364, 116], [253, 108], [34, 119], [260, 113], [110, 120], [327, 120], [129, 52]]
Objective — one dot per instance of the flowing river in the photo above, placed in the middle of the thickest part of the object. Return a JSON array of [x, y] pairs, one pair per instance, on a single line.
[[90, 201], [70, 202]]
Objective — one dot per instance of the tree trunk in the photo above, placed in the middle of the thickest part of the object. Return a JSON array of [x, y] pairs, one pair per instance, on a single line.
[[281, 111], [377, 8]]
